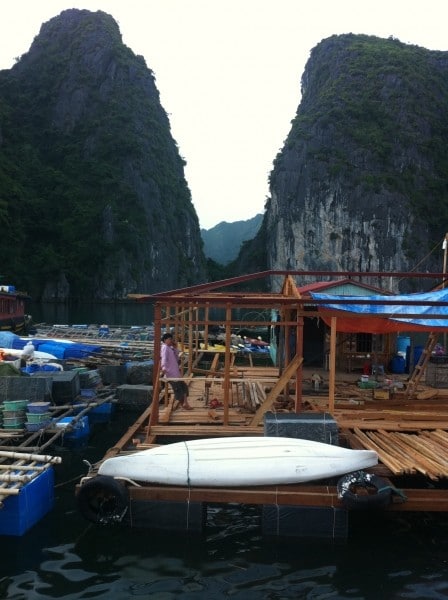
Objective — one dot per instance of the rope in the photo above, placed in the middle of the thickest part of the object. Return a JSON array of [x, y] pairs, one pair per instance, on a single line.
[[394, 490], [189, 486], [188, 465]]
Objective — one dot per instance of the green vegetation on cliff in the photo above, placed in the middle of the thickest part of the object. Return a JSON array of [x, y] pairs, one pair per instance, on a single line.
[[89, 170], [386, 100]]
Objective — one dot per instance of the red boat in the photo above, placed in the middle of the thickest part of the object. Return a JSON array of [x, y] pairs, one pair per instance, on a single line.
[[12, 309]]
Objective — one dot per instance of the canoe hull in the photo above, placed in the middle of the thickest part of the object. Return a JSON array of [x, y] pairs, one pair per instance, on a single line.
[[238, 461]]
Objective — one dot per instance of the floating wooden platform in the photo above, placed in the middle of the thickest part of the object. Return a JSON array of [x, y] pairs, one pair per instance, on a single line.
[[410, 437]]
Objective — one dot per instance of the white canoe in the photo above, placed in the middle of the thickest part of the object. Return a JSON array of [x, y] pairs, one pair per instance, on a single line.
[[238, 461]]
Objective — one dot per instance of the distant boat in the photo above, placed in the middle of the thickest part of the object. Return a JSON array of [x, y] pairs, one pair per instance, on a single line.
[[238, 461], [12, 309]]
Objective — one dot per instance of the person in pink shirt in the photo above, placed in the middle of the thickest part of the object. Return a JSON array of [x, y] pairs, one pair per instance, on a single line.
[[169, 367]]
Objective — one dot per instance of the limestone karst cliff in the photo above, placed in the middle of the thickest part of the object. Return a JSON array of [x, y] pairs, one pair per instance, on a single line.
[[361, 183], [93, 199]]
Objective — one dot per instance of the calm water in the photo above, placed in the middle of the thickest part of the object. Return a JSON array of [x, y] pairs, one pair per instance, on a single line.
[[65, 557], [127, 314]]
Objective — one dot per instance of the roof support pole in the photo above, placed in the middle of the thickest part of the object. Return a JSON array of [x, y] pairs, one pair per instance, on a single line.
[[332, 365], [299, 372], [226, 382], [154, 417]]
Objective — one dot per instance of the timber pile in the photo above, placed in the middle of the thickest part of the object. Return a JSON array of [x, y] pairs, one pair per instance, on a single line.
[[250, 395], [424, 452], [19, 468]]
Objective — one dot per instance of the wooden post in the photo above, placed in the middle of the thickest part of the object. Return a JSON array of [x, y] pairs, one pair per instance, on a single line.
[[299, 372], [281, 384], [332, 366], [226, 381], [445, 252], [154, 417], [206, 326], [287, 348], [190, 338]]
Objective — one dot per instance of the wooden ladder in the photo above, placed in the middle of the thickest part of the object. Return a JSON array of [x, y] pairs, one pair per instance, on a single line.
[[420, 367]]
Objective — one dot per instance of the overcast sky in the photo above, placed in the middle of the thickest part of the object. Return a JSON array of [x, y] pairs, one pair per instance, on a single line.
[[228, 73]]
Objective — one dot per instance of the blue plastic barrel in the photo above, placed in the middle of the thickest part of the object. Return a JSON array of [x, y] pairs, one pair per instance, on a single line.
[[402, 344], [398, 364], [418, 350]]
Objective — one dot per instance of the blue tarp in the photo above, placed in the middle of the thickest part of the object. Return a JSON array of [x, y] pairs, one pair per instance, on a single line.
[[7, 339], [362, 306]]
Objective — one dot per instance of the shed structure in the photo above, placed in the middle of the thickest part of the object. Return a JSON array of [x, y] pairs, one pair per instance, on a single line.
[[193, 313]]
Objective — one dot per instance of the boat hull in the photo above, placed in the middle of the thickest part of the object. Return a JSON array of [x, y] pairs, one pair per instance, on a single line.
[[238, 461], [12, 311]]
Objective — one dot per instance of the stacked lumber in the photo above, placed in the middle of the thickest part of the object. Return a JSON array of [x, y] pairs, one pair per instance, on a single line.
[[425, 452], [250, 394]]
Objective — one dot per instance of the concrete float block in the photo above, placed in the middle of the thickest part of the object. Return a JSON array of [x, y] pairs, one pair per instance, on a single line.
[[304, 522], [89, 379], [319, 427], [167, 516], [25, 388], [134, 397], [65, 385], [112, 374], [139, 373]]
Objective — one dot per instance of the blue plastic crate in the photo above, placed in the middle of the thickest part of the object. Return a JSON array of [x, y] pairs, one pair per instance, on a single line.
[[81, 428], [34, 501], [103, 409]]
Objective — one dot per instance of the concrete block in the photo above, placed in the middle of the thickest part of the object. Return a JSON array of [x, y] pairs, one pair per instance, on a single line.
[[25, 388], [304, 522], [134, 397], [112, 374], [319, 427], [167, 516]]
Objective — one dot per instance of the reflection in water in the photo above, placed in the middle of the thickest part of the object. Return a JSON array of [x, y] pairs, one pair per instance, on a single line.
[[232, 560]]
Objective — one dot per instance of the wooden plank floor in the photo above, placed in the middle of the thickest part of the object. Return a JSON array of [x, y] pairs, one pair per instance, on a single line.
[[410, 436]]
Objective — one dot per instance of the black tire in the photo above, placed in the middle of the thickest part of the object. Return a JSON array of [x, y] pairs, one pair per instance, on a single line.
[[103, 500], [377, 492]]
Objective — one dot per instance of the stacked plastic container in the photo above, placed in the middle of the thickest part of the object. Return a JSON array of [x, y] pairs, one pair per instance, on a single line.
[[14, 416], [38, 416]]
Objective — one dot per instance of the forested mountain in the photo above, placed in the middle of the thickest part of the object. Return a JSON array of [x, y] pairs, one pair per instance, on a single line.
[[361, 183], [222, 242], [93, 199]]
